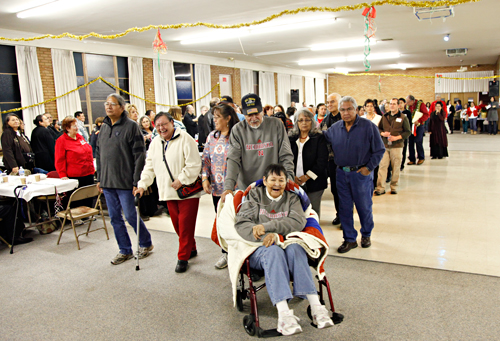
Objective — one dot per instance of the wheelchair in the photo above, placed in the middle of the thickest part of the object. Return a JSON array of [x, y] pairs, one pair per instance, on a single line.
[[247, 289]]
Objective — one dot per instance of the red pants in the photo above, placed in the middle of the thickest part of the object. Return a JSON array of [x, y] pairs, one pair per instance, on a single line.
[[183, 214]]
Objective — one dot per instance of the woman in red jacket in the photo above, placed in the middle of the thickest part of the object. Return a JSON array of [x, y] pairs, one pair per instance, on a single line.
[[73, 157]]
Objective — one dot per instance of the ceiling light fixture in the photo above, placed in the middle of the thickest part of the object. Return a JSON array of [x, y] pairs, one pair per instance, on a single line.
[[340, 70], [374, 56], [354, 58], [44, 7], [446, 37], [322, 61], [340, 45], [257, 30], [281, 51]]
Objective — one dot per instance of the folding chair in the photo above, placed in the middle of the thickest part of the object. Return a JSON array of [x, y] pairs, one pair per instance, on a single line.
[[81, 212]]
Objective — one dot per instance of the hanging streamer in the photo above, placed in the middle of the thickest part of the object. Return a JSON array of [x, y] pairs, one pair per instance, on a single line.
[[370, 14], [379, 84], [159, 46]]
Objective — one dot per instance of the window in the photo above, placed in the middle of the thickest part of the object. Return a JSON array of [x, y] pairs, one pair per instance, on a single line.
[[184, 82], [10, 95], [91, 66], [256, 82]]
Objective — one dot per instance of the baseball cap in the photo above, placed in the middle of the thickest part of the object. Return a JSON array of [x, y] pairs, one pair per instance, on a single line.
[[226, 99], [251, 104]]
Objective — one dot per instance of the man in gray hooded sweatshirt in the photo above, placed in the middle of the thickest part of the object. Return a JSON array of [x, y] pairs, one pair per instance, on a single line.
[[254, 144]]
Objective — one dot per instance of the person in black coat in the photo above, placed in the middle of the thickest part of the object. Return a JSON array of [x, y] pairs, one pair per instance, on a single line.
[[189, 121], [15, 145], [203, 127], [310, 157], [43, 144]]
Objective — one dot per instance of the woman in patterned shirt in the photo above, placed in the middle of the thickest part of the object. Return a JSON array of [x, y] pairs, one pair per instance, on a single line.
[[214, 158]]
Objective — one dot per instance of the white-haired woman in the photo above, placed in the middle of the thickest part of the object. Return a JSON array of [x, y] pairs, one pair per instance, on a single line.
[[310, 157]]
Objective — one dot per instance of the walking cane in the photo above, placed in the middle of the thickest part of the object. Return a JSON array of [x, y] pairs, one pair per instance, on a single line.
[[136, 202], [15, 219]]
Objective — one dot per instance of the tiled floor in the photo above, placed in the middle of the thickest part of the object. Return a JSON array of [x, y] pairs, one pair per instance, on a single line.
[[445, 216]]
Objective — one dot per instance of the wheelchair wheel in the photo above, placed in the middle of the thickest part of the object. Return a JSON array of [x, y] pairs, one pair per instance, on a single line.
[[239, 300], [249, 324]]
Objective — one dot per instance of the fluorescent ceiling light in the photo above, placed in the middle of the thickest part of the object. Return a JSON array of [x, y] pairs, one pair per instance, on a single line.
[[47, 8], [340, 70], [354, 58], [374, 56], [291, 26], [242, 32], [322, 61], [341, 45], [280, 52], [217, 36]]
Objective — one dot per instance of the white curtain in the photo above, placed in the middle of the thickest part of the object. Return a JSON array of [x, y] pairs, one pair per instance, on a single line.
[[309, 95], [64, 81], [267, 92], [202, 85], [296, 83], [165, 89], [462, 85], [246, 82], [136, 83], [30, 84], [320, 90], [283, 90]]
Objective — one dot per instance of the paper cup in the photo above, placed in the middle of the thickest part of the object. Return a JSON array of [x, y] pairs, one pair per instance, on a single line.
[[23, 180], [37, 177]]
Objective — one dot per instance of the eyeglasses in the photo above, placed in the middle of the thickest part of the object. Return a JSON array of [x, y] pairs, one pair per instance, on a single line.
[[351, 109], [304, 121], [162, 125], [110, 104]]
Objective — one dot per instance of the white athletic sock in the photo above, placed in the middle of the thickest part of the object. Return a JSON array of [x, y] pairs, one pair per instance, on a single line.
[[313, 300], [282, 306]]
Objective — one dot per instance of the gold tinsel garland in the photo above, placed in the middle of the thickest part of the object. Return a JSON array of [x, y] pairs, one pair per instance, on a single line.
[[253, 23], [113, 86]]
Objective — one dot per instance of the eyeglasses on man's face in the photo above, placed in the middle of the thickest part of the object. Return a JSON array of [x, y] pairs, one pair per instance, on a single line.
[[351, 109], [110, 104]]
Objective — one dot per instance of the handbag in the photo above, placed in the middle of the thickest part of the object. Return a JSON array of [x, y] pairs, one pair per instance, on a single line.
[[185, 191], [29, 157]]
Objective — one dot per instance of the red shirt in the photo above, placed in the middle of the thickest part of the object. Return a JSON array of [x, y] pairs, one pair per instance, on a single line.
[[73, 158], [423, 110]]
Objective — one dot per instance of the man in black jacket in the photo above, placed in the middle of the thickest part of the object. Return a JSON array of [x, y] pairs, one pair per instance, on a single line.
[[332, 104], [120, 156]]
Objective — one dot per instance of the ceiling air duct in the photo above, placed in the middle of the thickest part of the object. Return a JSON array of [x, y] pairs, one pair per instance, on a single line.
[[456, 52]]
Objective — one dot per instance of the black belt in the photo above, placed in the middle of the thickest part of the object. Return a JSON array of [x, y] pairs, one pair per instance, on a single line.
[[351, 169]]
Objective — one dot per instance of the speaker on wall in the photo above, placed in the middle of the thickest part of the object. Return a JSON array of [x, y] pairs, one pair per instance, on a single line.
[[493, 90], [294, 95]]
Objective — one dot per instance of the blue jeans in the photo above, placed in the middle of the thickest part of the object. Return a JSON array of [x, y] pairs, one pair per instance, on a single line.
[[418, 142], [493, 127], [278, 265], [116, 200], [473, 123], [465, 125], [355, 188]]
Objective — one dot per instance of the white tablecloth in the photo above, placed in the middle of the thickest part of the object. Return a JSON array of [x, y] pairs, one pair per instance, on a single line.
[[35, 189]]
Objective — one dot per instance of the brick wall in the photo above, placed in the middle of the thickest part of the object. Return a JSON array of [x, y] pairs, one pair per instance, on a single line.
[[215, 71], [149, 83], [363, 87], [47, 74]]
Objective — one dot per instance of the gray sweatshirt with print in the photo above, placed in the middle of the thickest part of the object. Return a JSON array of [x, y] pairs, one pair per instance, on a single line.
[[252, 150], [283, 216]]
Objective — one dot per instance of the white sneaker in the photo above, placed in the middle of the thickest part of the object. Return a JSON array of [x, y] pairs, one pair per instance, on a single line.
[[288, 323], [321, 316], [222, 262]]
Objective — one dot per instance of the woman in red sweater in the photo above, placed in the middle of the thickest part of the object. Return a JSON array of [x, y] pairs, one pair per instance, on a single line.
[[73, 157]]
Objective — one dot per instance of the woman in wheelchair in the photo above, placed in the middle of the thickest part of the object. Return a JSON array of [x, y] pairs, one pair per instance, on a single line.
[[269, 211]]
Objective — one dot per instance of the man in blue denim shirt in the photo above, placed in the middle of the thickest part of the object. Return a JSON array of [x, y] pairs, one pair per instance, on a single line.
[[358, 149]]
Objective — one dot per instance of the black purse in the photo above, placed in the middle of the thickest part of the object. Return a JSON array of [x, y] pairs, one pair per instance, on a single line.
[[185, 191]]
